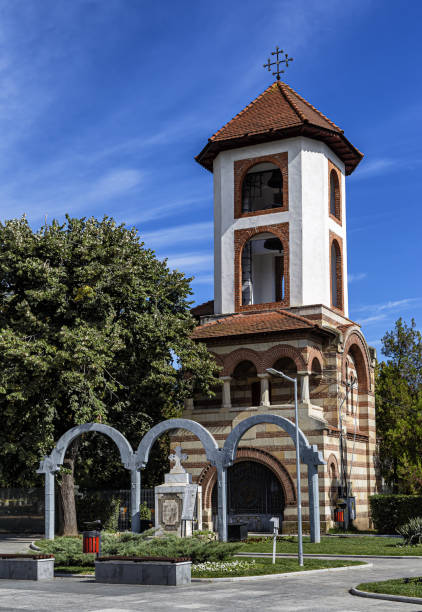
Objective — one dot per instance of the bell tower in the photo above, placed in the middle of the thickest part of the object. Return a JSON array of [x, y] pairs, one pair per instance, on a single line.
[[279, 171], [280, 303]]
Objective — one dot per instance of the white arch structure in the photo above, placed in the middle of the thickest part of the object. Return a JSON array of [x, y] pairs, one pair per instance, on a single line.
[[221, 458]]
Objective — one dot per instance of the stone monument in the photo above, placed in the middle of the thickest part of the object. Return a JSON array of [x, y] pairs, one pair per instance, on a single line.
[[178, 502]]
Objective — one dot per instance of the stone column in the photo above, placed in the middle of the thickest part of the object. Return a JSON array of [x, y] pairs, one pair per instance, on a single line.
[[265, 389], [227, 402], [49, 505], [135, 500], [304, 387], [313, 491], [222, 502]]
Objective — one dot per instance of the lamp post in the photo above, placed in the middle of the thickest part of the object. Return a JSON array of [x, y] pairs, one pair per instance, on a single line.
[[299, 497]]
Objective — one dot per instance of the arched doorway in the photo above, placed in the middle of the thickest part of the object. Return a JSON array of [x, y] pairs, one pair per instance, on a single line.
[[254, 496]]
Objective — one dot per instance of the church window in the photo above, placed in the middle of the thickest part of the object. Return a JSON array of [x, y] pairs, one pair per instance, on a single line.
[[262, 188], [334, 195], [336, 276], [263, 279]]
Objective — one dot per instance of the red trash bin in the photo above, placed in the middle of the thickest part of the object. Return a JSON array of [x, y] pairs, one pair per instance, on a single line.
[[91, 542], [339, 515]]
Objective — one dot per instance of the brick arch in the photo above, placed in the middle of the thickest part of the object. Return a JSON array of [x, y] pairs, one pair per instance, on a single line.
[[356, 346], [283, 350], [232, 359], [337, 242], [242, 167], [332, 459], [241, 237], [314, 353], [208, 476]]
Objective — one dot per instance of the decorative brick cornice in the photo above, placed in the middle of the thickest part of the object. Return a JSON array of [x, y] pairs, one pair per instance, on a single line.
[[241, 236], [242, 167]]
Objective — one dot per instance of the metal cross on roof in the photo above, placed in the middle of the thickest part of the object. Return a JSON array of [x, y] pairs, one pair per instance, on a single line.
[[278, 61]]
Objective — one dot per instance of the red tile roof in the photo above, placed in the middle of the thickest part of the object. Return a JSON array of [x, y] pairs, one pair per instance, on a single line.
[[279, 112], [253, 323], [206, 308]]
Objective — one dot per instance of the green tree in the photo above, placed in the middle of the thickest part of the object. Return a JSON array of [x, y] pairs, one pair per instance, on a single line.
[[93, 327], [398, 394]]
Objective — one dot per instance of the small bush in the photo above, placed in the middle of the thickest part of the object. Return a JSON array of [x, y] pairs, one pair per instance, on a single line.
[[389, 512], [68, 551], [412, 531]]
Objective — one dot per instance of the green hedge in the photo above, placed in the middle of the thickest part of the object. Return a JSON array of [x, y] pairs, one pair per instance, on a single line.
[[392, 511]]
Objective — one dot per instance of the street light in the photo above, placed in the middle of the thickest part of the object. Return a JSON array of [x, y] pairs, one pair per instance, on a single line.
[[299, 497]]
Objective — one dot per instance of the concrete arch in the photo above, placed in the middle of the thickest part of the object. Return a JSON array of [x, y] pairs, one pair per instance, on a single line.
[[283, 350], [243, 354], [207, 439], [51, 464], [57, 455], [308, 454]]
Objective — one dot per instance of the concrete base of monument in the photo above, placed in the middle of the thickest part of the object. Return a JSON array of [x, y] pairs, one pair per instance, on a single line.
[[26, 569], [164, 573]]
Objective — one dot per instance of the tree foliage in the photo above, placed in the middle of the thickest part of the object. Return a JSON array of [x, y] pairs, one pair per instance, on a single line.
[[93, 327], [399, 408]]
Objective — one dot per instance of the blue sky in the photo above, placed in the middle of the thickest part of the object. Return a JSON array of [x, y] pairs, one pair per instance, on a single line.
[[104, 103]]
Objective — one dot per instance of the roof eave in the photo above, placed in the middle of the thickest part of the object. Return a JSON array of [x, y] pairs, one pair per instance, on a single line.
[[350, 156], [315, 328]]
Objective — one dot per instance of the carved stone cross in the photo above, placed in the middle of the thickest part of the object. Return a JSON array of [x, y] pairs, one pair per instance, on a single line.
[[178, 457]]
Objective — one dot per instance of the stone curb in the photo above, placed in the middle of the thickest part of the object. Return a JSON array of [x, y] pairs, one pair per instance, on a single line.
[[283, 575], [401, 598], [33, 546], [327, 555]]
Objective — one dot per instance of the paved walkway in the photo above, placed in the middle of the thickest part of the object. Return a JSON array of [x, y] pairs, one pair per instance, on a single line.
[[15, 543], [316, 592]]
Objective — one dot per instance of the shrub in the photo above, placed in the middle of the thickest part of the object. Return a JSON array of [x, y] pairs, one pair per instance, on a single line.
[[68, 551], [389, 512], [412, 531]]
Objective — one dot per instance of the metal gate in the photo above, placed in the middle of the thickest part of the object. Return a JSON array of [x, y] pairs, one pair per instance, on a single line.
[[254, 496]]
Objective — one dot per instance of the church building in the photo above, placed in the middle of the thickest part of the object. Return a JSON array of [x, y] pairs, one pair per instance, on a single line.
[[281, 301]]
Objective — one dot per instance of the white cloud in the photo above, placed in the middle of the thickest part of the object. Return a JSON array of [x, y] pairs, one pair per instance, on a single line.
[[372, 319], [356, 277], [391, 305], [375, 166], [191, 261], [112, 184], [207, 279], [179, 234]]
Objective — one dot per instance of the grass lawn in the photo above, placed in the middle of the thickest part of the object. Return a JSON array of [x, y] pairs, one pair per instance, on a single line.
[[259, 567], [409, 587], [362, 545], [74, 569]]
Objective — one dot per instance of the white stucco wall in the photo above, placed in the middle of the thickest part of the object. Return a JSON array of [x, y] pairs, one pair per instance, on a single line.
[[308, 219]]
